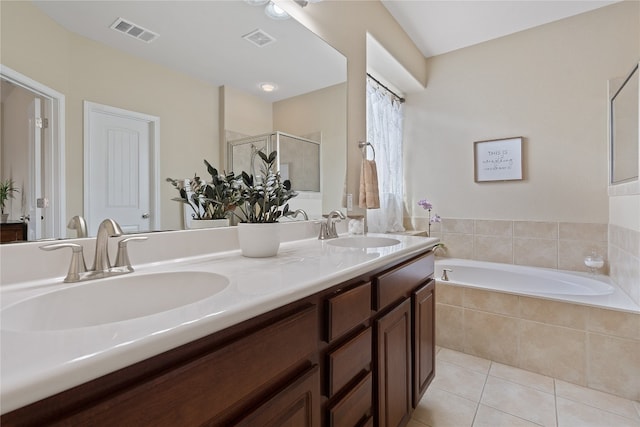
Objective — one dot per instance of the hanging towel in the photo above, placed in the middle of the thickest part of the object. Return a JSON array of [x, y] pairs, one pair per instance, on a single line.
[[369, 196]]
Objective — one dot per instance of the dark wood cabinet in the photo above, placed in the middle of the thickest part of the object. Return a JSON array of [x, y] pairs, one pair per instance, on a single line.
[[357, 354], [394, 366], [424, 345], [13, 231]]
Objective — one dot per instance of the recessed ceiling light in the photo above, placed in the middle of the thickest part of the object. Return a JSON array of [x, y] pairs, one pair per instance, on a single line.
[[268, 87], [274, 11]]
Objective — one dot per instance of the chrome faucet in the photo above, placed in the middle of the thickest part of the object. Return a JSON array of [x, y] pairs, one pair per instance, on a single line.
[[108, 228], [328, 228], [102, 265], [445, 277], [79, 224], [300, 212]]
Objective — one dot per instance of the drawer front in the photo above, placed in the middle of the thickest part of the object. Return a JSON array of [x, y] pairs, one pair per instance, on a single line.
[[349, 360], [399, 282], [347, 310], [354, 406]]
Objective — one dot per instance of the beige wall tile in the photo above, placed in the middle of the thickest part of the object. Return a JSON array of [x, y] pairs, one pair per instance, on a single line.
[[571, 254], [535, 229], [494, 228], [493, 302], [535, 252], [554, 351], [458, 245], [612, 322], [614, 365], [452, 225], [583, 231], [450, 326], [449, 294], [493, 249], [553, 312], [491, 336]]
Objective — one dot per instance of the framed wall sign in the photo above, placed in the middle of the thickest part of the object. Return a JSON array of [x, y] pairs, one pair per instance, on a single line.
[[498, 159]]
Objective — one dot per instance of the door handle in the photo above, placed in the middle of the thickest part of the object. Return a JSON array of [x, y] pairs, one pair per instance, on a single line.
[[145, 216]]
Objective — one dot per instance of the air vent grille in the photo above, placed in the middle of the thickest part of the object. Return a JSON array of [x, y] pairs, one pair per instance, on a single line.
[[136, 31], [259, 38]]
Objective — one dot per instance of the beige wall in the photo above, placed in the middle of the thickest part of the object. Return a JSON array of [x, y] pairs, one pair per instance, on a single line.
[[344, 25], [84, 70], [547, 84], [320, 111]]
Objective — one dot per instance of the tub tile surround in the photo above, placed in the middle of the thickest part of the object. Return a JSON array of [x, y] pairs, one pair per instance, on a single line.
[[499, 395], [624, 256], [587, 346]]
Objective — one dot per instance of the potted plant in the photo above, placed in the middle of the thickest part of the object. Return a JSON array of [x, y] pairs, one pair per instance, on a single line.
[[7, 191], [264, 200], [211, 203]]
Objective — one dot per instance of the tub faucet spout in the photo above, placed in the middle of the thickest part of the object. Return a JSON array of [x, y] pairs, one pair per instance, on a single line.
[[445, 277]]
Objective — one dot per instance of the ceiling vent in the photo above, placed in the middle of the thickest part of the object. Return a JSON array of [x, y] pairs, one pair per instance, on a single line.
[[133, 30], [259, 38]]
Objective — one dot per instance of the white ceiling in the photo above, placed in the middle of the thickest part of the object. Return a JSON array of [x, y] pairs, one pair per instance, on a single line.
[[437, 27]]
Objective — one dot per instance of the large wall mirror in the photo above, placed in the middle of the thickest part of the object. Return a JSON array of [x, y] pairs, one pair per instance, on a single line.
[[200, 78], [624, 128]]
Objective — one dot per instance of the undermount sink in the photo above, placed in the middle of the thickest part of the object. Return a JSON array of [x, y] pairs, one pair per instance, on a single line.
[[363, 242], [111, 300]]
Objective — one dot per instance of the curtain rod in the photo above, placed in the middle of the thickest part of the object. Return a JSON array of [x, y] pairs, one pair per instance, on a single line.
[[401, 99]]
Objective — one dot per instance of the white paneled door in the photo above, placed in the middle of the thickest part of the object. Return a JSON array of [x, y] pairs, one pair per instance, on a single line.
[[35, 200], [119, 165]]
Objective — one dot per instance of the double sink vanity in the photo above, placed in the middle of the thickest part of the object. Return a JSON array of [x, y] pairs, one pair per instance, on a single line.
[[333, 332]]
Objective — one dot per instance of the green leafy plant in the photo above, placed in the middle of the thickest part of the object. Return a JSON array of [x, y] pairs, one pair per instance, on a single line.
[[214, 200], [264, 196], [7, 191]]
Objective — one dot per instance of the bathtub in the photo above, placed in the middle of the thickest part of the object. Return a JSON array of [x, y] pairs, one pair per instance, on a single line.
[[579, 288]]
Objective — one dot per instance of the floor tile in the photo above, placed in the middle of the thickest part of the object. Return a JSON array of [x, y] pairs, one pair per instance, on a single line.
[[597, 399], [520, 376], [490, 417], [439, 408], [637, 405], [414, 423], [520, 401], [574, 414], [465, 360], [458, 380]]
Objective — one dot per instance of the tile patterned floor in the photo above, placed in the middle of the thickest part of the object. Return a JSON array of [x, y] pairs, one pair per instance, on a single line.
[[472, 392]]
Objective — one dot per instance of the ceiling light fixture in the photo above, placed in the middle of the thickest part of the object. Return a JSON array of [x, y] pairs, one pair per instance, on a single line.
[[268, 87], [274, 11]]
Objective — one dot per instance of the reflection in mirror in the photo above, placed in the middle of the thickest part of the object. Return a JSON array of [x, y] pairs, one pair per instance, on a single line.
[[196, 77], [625, 140]]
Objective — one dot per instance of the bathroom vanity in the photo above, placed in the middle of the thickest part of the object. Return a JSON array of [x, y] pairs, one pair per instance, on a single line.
[[357, 349]]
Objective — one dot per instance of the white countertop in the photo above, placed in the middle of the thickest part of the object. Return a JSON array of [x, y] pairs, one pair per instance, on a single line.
[[38, 364]]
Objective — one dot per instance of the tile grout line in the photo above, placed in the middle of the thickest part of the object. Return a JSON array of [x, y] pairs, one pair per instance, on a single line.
[[486, 378], [555, 402]]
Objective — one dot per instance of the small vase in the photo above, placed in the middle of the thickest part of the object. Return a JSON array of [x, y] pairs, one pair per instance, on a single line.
[[259, 240], [4, 218], [208, 223]]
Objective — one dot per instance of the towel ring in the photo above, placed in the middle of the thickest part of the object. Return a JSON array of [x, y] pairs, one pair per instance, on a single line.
[[364, 144]]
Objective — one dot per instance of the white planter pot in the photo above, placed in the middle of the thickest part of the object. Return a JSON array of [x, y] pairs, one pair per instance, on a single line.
[[259, 240], [208, 223]]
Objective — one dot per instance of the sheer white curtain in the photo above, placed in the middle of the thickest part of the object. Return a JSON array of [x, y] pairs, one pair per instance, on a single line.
[[384, 132]]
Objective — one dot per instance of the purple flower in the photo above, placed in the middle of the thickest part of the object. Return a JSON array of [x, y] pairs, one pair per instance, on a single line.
[[426, 205], [435, 218]]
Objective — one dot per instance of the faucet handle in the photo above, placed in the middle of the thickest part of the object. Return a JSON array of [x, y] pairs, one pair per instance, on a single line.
[[77, 265], [122, 258]]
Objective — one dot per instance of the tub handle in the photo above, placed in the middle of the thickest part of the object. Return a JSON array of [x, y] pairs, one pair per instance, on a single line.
[[445, 277]]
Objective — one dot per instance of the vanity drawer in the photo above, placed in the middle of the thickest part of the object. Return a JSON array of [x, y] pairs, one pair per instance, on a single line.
[[354, 407], [349, 360], [399, 282], [347, 310]]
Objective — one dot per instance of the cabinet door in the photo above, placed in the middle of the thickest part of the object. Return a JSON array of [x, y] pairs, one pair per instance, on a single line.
[[424, 339], [393, 333], [297, 405]]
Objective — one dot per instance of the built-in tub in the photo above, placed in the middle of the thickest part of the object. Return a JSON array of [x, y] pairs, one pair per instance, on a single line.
[[579, 288]]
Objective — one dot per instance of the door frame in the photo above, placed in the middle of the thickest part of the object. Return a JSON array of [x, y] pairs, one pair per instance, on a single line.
[[154, 154], [54, 180]]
